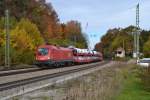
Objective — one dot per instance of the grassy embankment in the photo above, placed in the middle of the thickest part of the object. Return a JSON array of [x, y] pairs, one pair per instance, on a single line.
[[135, 85], [100, 85], [119, 82]]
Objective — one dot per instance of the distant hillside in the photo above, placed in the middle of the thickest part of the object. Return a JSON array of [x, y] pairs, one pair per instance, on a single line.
[[123, 37]]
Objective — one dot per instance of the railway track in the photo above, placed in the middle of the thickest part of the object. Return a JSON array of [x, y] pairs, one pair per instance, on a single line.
[[20, 71], [13, 84]]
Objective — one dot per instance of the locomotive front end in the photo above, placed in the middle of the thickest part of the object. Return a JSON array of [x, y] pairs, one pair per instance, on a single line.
[[43, 56]]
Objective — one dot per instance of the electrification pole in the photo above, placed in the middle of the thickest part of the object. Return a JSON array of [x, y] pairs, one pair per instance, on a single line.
[[137, 31], [135, 45], [7, 37]]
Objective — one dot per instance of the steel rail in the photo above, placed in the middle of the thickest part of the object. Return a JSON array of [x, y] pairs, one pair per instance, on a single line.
[[10, 85], [19, 71]]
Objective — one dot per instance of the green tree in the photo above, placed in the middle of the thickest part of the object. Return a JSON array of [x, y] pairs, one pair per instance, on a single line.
[[115, 38], [25, 37], [21, 40], [31, 31], [123, 40], [144, 37], [146, 48]]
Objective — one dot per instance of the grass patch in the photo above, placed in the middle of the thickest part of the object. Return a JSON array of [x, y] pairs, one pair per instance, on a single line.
[[132, 87], [121, 81], [100, 85]]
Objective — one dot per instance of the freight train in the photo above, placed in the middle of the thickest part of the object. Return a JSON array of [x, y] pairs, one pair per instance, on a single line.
[[51, 55]]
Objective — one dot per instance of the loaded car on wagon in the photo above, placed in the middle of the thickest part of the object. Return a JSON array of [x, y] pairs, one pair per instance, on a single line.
[[51, 55]]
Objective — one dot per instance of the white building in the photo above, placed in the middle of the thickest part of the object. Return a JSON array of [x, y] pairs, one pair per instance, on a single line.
[[120, 52]]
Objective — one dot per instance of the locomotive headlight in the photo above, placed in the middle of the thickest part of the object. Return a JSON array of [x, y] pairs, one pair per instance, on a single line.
[[48, 58]]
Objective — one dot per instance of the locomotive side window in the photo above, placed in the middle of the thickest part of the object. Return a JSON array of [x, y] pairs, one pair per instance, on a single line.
[[74, 52], [43, 51]]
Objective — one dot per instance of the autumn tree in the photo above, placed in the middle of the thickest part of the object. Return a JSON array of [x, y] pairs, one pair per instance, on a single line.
[[98, 47], [38, 11], [32, 30], [74, 33], [35, 22], [25, 37], [115, 38], [123, 37], [146, 48], [106, 41], [123, 40]]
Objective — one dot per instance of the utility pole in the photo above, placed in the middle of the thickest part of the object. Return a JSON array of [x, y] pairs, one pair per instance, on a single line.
[[75, 40], [135, 44], [136, 53], [138, 30], [123, 44], [88, 37], [7, 37]]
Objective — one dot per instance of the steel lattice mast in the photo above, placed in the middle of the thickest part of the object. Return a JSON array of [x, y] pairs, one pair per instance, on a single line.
[[136, 35], [138, 30]]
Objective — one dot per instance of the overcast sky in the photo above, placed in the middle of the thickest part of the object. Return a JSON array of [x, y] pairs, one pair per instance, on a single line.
[[102, 15]]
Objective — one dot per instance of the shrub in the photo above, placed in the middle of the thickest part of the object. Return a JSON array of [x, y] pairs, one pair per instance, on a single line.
[[145, 78]]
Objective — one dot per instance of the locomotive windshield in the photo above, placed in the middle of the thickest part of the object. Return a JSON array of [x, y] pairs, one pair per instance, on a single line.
[[43, 51], [74, 52]]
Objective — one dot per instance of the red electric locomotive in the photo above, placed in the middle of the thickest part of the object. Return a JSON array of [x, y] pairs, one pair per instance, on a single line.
[[54, 55]]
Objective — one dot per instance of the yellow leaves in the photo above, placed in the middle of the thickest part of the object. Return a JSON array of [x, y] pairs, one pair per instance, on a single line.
[[26, 36], [2, 37], [21, 40], [31, 30]]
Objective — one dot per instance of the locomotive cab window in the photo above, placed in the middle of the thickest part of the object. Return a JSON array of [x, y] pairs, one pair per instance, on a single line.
[[74, 52], [43, 51]]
